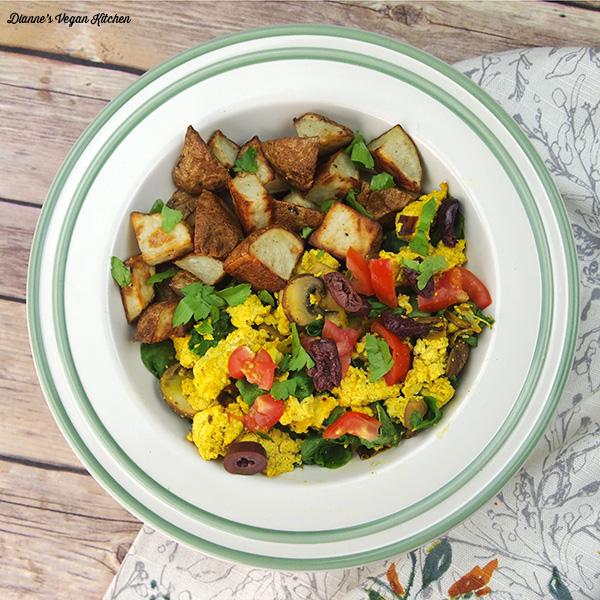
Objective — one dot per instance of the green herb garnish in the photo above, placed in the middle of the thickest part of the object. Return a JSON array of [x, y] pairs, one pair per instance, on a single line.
[[157, 206], [158, 277], [359, 152], [325, 453], [300, 386], [335, 414], [266, 297], [120, 272], [305, 232], [199, 301], [391, 241], [435, 414], [157, 358], [426, 268], [420, 242], [246, 163], [327, 204], [389, 432], [248, 391], [381, 181], [356, 205], [380, 358], [236, 294], [472, 341], [170, 218], [300, 357], [218, 329], [313, 329]]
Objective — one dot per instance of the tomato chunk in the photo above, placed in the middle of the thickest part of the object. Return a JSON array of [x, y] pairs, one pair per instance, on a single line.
[[401, 354], [358, 265], [354, 423], [382, 278], [448, 291], [345, 339], [239, 358], [258, 369], [477, 291], [264, 413]]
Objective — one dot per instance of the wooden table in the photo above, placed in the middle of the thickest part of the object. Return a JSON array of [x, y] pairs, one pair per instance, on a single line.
[[61, 535]]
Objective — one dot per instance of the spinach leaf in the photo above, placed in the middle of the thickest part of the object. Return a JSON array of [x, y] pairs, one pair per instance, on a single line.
[[315, 328], [158, 277], [325, 453], [157, 358], [434, 415], [389, 433], [391, 242], [219, 329], [327, 204]]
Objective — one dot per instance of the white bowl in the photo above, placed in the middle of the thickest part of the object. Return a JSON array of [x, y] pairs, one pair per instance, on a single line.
[[108, 405]]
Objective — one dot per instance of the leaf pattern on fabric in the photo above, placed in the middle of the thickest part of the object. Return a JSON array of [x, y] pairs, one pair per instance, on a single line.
[[544, 526]]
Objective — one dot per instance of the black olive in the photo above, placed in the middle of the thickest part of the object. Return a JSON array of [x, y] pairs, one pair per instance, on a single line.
[[245, 458]]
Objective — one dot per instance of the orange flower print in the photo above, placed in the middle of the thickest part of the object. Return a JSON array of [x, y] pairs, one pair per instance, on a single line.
[[475, 580], [392, 577]]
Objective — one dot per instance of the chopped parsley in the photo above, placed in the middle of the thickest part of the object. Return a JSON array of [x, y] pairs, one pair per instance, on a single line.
[[305, 232], [158, 277], [266, 297], [359, 153], [199, 301], [300, 357], [246, 163], [380, 358], [248, 391], [157, 206], [170, 218], [420, 242], [300, 386], [236, 294], [120, 272], [356, 205], [381, 181], [426, 268]]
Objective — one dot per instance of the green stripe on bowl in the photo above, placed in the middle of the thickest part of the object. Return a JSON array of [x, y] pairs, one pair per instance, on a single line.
[[294, 537]]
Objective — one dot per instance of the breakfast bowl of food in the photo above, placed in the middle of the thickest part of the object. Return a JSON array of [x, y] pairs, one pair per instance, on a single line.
[[302, 298]]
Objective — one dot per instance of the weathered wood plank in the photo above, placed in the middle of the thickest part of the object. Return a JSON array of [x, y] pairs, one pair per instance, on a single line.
[[27, 429], [450, 30], [47, 75], [17, 224], [38, 128], [61, 534]]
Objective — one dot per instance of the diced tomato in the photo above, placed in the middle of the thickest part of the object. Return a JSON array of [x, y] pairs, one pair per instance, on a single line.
[[345, 339], [264, 413], [239, 358], [382, 278], [401, 354], [477, 291], [354, 423], [359, 267], [261, 370], [448, 291], [258, 369]]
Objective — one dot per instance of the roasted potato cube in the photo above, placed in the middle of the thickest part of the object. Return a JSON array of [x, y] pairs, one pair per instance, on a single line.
[[217, 231], [156, 323], [332, 136], [197, 168], [180, 280], [138, 294], [251, 201], [335, 178], [266, 258], [295, 197], [206, 268], [265, 173], [156, 245], [343, 228], [186, 204], [295, 217], [224, 149], [294, 159], [395, 152], [384, 204]]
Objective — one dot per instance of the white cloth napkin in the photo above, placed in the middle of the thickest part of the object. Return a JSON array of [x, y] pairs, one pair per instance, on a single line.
[[544, 527]]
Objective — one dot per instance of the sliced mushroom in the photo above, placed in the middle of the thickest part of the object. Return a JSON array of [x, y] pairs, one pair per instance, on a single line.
[[298, 299], [170, 386], [414, 406], [457, 359]]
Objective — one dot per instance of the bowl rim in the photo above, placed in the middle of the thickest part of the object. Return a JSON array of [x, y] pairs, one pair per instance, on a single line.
[[44, 371]]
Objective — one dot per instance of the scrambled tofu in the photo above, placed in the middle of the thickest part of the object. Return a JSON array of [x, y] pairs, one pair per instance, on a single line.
[[356, 389], [317, 262], [309, 412], [283, 453], [213, 430]]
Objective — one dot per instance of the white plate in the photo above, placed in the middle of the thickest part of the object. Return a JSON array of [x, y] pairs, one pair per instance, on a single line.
[[108, 405]]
